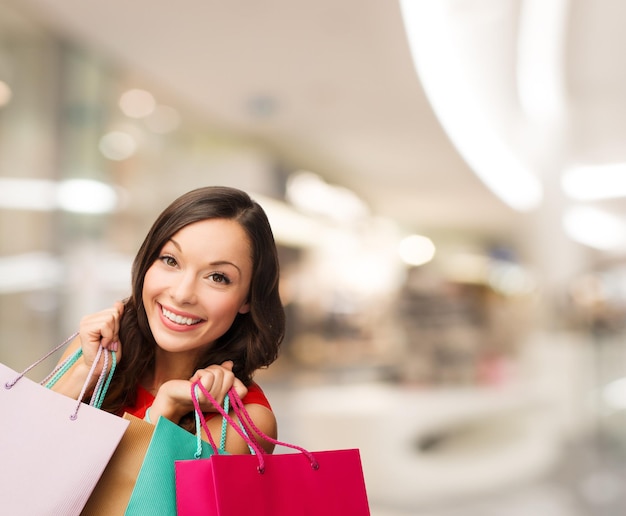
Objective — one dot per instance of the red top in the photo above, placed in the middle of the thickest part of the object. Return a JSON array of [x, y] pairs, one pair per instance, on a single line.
[[145, 400]]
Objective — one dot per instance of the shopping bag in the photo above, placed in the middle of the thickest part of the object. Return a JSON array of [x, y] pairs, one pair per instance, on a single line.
[[155, 491], [231, 485], [53, 448], [113, 490], [304, 483]]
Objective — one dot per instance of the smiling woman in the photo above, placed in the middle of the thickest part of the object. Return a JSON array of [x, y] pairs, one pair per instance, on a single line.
[[204, 306]]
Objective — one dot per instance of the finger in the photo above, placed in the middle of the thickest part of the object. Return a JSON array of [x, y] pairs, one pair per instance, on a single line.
[[111, 326], [240, 388], [102, 328], [228, 364], [207, 379], [217, 381], [119, 306], [197, 375], [219, 375]]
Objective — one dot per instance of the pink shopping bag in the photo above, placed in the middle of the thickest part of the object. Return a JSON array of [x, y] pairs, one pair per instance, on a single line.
[[53, 448], [292, 484]]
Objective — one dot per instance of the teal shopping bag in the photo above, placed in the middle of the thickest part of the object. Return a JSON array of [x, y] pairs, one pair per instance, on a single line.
[[155, 490]]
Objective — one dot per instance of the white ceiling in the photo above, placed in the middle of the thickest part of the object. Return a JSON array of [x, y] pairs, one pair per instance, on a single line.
[[345, 98]]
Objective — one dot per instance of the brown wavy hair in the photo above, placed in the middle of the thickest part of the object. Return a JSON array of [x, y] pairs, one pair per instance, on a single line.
[[253, 340]]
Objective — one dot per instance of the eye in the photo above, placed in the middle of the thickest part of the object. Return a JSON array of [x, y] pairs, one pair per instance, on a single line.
[[168, 260], [218, 277]]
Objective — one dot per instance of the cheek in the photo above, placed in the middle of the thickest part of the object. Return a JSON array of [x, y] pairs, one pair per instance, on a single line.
[[150, 284], [224, 309], [147, 282]]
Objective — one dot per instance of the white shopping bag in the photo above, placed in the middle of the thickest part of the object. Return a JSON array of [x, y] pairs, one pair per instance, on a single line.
[[53, 449]]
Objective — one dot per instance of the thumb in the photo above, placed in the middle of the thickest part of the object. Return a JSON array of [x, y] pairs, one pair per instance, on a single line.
[[228, 365]]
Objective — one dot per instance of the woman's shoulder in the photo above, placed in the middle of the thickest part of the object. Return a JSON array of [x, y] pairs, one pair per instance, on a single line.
[[256, 396]]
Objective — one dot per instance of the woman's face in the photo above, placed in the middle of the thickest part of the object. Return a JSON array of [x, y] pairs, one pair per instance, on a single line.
[[200, 282]]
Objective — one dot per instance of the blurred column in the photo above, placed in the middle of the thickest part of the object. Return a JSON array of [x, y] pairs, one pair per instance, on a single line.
[[555, 257], [28, 122]]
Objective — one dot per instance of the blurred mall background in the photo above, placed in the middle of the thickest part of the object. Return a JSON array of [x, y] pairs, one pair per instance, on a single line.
[[446, 183]]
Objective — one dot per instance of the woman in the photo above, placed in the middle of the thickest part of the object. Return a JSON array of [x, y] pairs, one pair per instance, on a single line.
[[204, 306]]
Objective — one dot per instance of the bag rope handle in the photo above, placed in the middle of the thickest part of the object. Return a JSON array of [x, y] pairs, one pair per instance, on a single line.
[[251, 442], [224, 424], [101, 387], [201, 424], [10, 385], [79, 400], [242, 414], [54, 376]]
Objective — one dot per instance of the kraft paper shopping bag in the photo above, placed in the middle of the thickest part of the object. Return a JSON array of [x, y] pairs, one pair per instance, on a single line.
[[112, 493]]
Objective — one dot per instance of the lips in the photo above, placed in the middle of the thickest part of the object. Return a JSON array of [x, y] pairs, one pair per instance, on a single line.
[[184, 320]]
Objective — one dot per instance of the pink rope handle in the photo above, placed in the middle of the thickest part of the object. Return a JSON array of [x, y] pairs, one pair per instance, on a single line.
[[251, 442], [242, 414], [200, 416]]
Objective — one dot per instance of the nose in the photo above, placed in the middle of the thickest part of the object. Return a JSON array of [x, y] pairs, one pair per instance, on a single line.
[[183, 291]]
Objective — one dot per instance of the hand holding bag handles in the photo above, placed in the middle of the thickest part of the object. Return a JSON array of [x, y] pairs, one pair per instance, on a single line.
[[304, 483], [52, 454]]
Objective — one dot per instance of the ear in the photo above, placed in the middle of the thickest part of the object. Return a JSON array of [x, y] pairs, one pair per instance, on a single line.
[[245, 308]]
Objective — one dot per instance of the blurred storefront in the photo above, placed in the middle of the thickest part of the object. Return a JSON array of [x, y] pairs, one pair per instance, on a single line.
[[456, 378]]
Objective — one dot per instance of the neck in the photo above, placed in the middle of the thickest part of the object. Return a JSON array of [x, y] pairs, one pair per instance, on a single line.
[[169, 366]]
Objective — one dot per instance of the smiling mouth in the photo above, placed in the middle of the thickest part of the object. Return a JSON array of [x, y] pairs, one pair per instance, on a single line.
[[179, 319]]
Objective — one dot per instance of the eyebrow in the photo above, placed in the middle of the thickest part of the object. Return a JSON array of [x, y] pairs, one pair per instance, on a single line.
[[219, 262]]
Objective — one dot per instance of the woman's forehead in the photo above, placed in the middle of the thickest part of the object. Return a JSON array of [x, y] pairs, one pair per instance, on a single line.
[[213, 237]]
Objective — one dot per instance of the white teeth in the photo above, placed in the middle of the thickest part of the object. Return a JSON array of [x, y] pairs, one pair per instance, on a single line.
[[179, 319]]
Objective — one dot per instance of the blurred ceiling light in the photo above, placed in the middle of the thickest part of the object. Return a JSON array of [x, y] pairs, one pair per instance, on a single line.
[[595, 228], [163, 120], [289, 227], [416, 250], [541, 53], [28, 272], [350, 268], [137, 103], [5, 93], [430, 35], [311, 194], [369, 273], [117, 145], [74, 195], [595, 182], [27, 194], [86, 196]]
